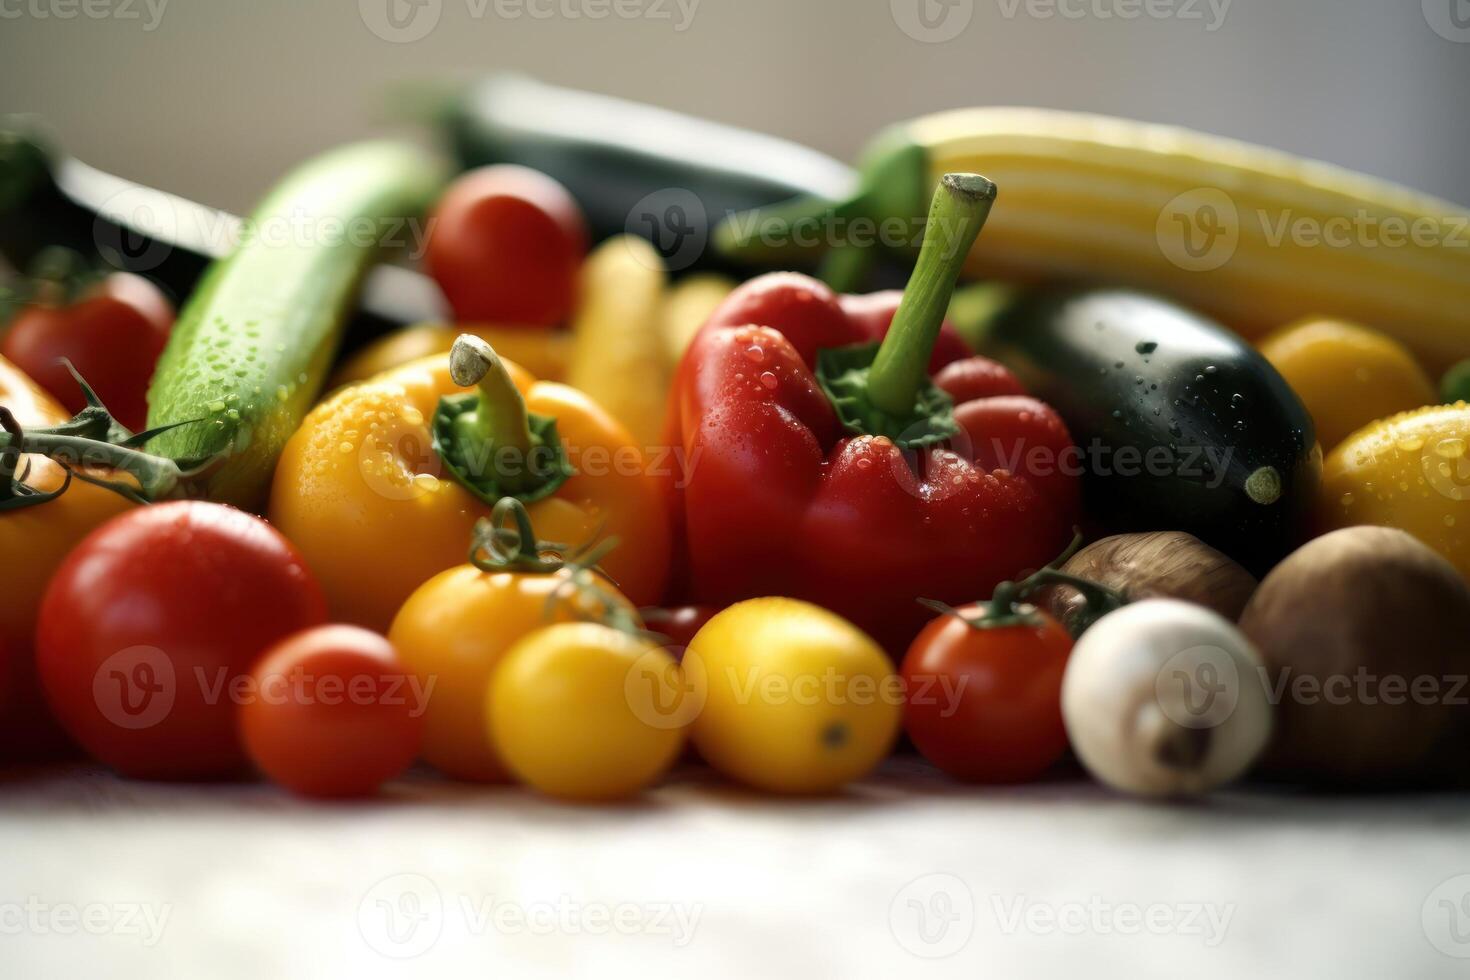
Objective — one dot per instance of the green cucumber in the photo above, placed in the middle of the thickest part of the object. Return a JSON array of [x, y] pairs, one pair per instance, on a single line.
[[1182, 425], [251, 347], [50, 200]]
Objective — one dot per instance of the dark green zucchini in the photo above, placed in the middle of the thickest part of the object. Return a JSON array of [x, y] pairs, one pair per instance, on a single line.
[[632, 167], [48, 200], [1181, 424]]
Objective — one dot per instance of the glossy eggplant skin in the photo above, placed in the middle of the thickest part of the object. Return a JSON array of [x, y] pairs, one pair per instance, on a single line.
[[1180, 424], [633, 167]]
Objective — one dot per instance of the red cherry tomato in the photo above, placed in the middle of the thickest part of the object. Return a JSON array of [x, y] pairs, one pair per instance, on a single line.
[[332, 713], [506, 244], [678, 624], [113, 337], [150, 626], [985, 705]]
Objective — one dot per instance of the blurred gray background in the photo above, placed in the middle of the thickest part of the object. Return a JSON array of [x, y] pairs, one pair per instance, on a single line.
[[212, 99]]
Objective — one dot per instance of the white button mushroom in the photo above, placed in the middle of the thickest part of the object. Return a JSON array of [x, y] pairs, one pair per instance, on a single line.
[[1165, 698]]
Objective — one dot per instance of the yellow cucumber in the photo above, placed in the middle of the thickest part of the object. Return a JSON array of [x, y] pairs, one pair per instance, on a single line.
[[688, 305], [617, 336]]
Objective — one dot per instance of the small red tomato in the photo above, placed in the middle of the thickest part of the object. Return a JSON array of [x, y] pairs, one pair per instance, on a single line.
[[112, 336], [985, 705], [150, 626], [506, 244], [332, 713], [678, 624]]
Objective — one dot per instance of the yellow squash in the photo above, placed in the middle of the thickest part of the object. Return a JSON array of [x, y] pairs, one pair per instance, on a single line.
[[1254, 236], [618, 346]]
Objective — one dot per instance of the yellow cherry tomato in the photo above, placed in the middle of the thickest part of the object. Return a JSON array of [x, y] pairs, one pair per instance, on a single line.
[[567, 709], [453, 631], [372, 507], [1347, 375], [542, 352], [1411, 472], [790, 697]]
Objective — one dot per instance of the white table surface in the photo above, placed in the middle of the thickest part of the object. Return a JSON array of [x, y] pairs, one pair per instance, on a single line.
[[907, 875]]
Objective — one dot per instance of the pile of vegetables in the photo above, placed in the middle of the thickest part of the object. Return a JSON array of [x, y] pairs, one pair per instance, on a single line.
[[607, 513]]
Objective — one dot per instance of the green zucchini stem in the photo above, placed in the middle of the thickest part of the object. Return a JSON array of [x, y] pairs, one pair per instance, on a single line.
[[1264, 485]]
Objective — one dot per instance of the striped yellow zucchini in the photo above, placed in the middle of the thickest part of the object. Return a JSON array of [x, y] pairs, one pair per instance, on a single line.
[[1255, 237]]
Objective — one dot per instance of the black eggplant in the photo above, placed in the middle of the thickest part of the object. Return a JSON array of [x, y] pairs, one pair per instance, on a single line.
[[1180, 424], [50, 200], [633, 167]]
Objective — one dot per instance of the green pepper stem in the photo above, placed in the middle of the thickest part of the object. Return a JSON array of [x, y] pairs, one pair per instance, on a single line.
[[500, 418], [957, 213]]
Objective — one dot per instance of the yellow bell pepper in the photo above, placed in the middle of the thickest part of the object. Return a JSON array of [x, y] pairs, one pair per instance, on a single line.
[[1347, 375], [378, 503], [1411, 472]]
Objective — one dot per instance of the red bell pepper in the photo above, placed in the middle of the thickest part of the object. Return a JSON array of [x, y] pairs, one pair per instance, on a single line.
[[830, 468]]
